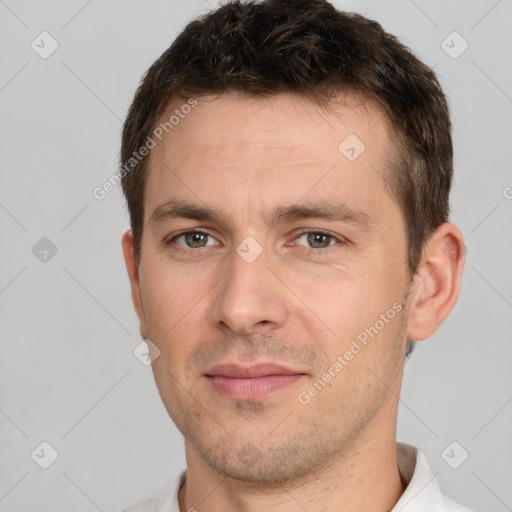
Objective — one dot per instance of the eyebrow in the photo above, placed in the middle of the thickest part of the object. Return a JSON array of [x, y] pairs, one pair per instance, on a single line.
[[320, 209]]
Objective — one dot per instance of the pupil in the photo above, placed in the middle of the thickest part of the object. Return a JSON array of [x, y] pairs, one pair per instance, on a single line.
[[194, 238], [317, 238]]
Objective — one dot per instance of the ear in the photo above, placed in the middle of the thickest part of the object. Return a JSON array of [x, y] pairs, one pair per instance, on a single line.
[[435, 287], [133, 275]]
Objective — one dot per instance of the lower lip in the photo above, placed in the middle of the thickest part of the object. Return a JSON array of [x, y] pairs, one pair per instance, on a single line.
[[252, 388]]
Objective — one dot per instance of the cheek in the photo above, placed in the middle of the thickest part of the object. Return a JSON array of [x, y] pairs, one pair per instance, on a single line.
[[169, 291], [176, 321], [177, 299], [171, 300], [349, 307]]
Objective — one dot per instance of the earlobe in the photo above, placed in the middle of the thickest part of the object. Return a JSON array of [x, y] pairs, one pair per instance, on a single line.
[[133, 274], [435, 288]]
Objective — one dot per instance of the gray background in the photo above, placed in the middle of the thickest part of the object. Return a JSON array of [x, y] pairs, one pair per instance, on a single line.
[[69, 376]]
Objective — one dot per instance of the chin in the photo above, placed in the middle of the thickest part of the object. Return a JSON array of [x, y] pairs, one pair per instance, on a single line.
[[261, 462]]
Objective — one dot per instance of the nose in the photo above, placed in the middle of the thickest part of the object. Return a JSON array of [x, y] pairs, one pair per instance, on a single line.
[[250, 298]]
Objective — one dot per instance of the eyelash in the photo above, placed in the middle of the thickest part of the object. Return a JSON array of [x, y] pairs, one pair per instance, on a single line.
[[312, 251]]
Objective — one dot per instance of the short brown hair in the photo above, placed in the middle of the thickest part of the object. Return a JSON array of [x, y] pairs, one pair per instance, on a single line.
[[309, 48]]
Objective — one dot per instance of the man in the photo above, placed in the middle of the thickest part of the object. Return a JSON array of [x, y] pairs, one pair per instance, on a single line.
[[287, 170]]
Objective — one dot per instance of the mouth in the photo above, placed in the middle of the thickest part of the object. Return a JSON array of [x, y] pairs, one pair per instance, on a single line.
[[251, 382]]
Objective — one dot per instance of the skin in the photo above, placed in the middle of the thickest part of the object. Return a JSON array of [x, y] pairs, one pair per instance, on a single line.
[[202, 304]]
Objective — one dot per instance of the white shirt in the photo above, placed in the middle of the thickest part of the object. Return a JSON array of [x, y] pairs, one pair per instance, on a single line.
[[422, 493]]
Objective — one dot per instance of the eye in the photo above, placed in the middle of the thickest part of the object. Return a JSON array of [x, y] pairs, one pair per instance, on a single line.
[[193, 239], [319, 241]]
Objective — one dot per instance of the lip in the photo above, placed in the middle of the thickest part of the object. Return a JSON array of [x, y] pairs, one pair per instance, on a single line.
[[251, 382], [235, 371]]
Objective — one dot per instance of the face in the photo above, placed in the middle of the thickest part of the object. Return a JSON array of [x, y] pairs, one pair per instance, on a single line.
[[273, 280]]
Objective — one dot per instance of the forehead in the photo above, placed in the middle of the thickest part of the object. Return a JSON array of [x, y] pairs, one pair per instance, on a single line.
[[235, 145], [288, 122]]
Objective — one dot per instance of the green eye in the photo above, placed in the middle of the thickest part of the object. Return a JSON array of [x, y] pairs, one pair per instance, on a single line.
[[319, 240], [192, 239], [195, 239]]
